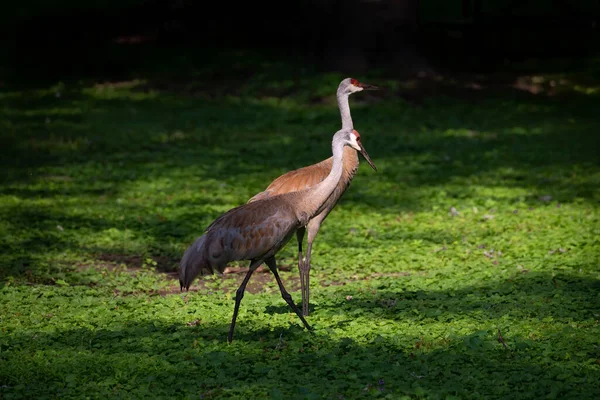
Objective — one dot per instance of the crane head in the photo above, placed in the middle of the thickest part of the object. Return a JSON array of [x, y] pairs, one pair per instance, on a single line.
[[351, 85], [356, 143]]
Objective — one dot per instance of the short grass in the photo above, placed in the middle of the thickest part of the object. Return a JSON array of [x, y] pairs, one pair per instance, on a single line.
[[468, 266]]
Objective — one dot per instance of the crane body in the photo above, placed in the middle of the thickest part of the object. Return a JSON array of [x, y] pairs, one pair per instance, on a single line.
[[256, 231], [306, 177]]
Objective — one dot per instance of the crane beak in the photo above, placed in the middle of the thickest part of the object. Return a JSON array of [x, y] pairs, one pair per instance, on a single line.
[[366, 86], [366, 156]]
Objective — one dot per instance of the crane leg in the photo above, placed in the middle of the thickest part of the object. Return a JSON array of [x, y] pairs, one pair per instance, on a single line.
[[300, 237], [313, 228], [306, 293], [286, 296], [239, 294]]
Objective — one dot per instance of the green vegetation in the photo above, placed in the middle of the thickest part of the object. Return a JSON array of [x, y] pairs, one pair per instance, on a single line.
[[466, 267]]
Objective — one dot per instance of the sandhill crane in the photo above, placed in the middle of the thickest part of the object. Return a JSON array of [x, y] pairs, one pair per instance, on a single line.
[[257, 231], [311, 175]]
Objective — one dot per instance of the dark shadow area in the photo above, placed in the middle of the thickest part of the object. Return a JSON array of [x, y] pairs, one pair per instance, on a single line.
[[117, 40], [528, 294]]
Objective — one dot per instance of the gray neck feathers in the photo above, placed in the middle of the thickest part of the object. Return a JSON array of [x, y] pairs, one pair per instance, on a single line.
[[342, 99]]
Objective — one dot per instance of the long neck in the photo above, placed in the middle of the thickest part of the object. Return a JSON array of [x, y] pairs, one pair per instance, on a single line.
[[342, 99], [314, 197]]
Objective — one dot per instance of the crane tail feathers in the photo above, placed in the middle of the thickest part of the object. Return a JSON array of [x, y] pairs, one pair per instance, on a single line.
[[192, 263]]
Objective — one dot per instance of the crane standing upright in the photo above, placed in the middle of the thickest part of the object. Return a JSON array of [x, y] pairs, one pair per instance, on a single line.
[[257, 231], [311, 175]]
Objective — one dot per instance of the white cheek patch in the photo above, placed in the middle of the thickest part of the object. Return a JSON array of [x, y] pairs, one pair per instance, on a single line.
[[354, 142]]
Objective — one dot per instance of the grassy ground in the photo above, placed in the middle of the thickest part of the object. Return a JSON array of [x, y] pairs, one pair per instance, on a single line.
[[468, 266]]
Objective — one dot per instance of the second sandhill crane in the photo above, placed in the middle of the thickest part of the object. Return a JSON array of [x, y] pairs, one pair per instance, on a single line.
[[257, 231], [313, 174]]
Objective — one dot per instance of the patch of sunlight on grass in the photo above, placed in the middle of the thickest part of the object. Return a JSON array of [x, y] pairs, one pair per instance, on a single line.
[[587, 90], [170, 137], [116, 239], [27, 201], [519, 130], [499, 192], [470, 134], [121, 91]]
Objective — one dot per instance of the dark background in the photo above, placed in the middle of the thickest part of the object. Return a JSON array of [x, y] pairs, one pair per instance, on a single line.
[[66, 39]]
